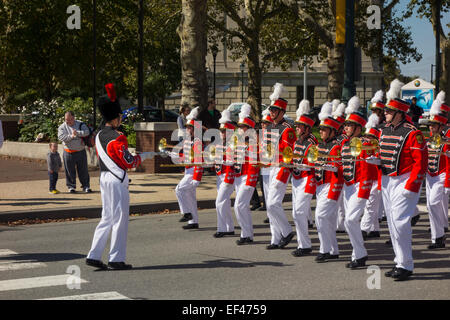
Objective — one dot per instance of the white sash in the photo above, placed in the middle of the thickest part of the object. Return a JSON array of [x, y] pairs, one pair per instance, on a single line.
[[118, 172]]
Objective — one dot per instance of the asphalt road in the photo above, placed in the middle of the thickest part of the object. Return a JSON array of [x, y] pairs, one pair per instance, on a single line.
[[171, 263]]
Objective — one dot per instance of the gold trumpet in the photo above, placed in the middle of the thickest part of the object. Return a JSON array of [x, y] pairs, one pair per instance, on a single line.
[[436, 141], [162, 146], [356, 146]]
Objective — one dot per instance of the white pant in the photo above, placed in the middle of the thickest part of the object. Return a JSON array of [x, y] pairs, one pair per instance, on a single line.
[[265, 175], [242, 206], [326, 212], [435, 199], [279, 224], [223, 205], [354, 209], [115, 215], [445, 210], [399, 210], [369, 221], [340, 214], [301, 208], [186, 195]]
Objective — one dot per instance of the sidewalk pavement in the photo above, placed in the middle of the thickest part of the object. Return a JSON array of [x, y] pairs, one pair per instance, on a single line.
[[148, 193]]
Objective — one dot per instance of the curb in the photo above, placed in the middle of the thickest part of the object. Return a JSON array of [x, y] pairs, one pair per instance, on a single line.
[[96, 211]]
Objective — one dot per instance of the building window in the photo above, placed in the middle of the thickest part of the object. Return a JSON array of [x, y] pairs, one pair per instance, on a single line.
[[310, 92]]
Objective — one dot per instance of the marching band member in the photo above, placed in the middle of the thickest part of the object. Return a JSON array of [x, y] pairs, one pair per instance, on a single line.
[[114, 160], [338, 114], [403, 161], [266, 126], [284, 136], [329, 185], [370, 224], [187, 187], [358, 177], [435, 177], [246, 175], [303, 180], [446, 133], [225, 180]]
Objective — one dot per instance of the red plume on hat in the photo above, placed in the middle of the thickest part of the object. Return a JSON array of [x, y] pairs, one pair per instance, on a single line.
[[111, 91]]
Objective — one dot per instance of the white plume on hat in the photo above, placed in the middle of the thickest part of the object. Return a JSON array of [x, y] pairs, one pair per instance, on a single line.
[[372, 122], [245, 111], [278, 89], [193, 114], [436, 106], [339, 112], [303, 108], [265, 112], [394, 90], [335, 104], [325, 111], [353, 105], [226, 116], [378, 97]]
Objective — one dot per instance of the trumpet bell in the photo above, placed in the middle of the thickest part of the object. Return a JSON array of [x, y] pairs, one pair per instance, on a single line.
[[288, 154], [313, 154], [355, 147], [435, 141], [268, 154], [162, 145]]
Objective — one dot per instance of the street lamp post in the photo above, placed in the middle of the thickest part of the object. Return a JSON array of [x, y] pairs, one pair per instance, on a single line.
[[438, 39], [94, 64], [431, 79], [141, 59], [214, 51], [242, 67], [349, 89]]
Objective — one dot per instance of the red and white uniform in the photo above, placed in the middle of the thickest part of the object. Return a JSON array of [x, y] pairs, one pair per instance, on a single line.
[[437, 201], [303, 189], [404, 161], [246, 177], [225, 187], [187, 187], [329, 187], [358, 178], [284, 136], [446, 134], [374, 205], [115, 159]]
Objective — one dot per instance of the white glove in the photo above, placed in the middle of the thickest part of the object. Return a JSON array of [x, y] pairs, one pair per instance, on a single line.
[[409, 194], [328, 167], [147, 155], [373, 160], [195, 183]]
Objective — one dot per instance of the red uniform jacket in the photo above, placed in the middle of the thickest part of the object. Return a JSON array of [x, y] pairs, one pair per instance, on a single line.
[[301, 149], [249, 153], [185, 154], [286, 138], [226, 169], [335, 179]]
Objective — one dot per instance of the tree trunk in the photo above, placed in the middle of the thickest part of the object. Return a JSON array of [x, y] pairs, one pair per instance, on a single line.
[[192, 33], [445, 77], [335, 70], [254, 80]]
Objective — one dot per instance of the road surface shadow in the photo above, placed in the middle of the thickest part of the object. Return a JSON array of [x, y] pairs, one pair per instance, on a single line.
[[43, 257], [219, 263]]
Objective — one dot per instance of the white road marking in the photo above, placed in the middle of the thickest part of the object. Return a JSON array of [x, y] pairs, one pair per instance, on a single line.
[[37, 282], [11, 264], [6, 252], [94, 296]]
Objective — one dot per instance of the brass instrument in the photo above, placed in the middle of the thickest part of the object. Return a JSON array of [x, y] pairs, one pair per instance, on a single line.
[[356, 146], [162, 146], [436, 141]]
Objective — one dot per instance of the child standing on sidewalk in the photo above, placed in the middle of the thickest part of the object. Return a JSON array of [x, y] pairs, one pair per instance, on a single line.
[[54, 165]]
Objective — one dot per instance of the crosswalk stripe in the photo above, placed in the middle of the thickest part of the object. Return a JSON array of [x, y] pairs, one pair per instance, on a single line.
[[36, 282], [94, 296], [11, 264]]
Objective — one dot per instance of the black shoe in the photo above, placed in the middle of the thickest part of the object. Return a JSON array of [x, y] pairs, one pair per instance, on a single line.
[[255, 206], [301, 252], [266, 220], [87, 190], [373, 234], [272, 247], [310, 226], [242, 241], [401, 274], [285, 241], [263, 208], [340, 231], [388, 243], [191, 226], [390, 273], [186, 217], [414, 220], [119, 266], [439, 243], [322, 257], [72, 190], [222, 234], [357, 263], [384, 218], [333, 257], [96, 264], [364, 234]]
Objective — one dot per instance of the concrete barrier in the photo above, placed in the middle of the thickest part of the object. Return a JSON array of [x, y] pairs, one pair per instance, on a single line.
[[39, 151]]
